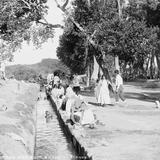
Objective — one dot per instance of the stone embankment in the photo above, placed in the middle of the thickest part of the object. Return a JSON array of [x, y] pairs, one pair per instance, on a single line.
[[17, 119], [73, 134]]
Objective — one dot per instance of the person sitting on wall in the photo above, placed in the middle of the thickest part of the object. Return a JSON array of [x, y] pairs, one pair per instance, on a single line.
[[71, 92], [68, 100], [57, 93], [80, 113]]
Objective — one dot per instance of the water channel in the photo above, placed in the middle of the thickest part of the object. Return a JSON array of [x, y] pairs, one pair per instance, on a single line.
[[51, 143]]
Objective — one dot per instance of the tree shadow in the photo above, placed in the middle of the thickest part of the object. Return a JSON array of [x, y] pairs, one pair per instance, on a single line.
[[144, 96], [150, 84], [97, 104], [92, 103]]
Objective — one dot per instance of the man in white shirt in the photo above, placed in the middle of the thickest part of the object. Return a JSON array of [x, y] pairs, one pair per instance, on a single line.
[[119, 87]]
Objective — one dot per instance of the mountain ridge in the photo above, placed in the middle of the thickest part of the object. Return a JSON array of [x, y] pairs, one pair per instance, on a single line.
[[32, 71]]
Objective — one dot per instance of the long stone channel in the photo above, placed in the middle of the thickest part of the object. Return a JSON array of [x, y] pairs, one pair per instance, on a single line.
[[51, 142]]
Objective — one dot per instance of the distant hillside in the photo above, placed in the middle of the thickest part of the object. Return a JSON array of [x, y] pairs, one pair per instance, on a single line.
[[27, 72]]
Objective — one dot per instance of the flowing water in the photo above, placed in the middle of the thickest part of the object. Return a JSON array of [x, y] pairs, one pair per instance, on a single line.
[[51, 143]]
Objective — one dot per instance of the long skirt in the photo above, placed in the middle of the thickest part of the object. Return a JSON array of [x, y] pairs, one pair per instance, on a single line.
[[104, 97], [88, 117]]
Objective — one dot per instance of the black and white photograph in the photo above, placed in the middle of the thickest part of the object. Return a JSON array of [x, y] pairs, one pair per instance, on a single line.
[[79, 79]]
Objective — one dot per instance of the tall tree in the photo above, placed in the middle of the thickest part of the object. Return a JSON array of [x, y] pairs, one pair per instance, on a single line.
[[130, 38], [23, 20]]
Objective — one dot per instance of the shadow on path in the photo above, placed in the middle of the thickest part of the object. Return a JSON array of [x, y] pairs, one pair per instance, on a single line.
[[144, 96]]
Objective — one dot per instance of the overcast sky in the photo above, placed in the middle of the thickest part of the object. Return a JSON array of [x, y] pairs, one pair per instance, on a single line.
[[30, 55]]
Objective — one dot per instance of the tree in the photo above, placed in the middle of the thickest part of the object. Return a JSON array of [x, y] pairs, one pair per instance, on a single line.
[[23, 20], [95, 21], [131, 38], [71, 52]]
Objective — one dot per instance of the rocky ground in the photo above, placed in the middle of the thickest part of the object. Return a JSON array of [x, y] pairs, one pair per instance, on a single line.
[[17, 119], [128, 132]]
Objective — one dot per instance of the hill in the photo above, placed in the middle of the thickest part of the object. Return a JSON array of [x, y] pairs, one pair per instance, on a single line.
[[29, 72]]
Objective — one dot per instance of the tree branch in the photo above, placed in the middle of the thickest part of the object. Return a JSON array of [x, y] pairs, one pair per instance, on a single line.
[[51, 25], [26, 3], [65, 4]]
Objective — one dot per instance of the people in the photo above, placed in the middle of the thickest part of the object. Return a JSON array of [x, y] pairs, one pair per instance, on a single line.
[[40, 80], [80, 112], [104, 97], [50, 78], [119, 87], [69, 100], [57, 93], [76, 109]]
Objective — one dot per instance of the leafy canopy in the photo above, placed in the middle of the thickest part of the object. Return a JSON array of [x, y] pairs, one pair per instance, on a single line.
[[133, 37], [21, 20]]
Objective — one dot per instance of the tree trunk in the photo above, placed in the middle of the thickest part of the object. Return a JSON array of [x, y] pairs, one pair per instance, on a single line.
[[151, 67], [158, 63], [86, 53], [117, 62], [120, 19]]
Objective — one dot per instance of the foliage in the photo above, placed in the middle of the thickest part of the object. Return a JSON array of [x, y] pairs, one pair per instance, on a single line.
[[134, 36], [71, 52], [20, 21]]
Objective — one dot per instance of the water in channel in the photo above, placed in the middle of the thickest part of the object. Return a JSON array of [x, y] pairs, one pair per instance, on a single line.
[[51, 143]]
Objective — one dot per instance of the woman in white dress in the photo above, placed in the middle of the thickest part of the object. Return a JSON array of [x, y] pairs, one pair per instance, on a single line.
[[104, 97]]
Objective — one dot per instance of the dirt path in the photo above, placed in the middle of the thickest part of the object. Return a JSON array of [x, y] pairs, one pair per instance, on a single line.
[[130, 132]]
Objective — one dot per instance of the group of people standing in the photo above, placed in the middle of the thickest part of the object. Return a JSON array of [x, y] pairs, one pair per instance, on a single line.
[[102, 89]]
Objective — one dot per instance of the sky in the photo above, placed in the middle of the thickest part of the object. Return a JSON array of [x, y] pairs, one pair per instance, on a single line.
[[30, 55]]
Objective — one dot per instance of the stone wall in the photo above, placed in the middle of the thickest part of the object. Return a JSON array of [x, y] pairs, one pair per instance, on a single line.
[[70, 133], [17, 119]]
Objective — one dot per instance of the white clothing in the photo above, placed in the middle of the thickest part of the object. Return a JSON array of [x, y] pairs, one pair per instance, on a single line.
[[50, 78], [104, 97], [56, 92], [88, 117], [119, 81], [56, 79], [69, 92], [69, 105], [2, 67]]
